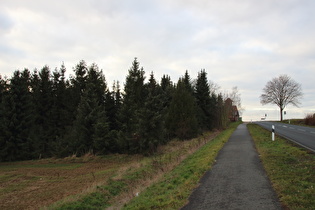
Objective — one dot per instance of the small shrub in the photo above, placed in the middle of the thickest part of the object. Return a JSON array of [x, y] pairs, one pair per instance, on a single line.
[[310, 119]]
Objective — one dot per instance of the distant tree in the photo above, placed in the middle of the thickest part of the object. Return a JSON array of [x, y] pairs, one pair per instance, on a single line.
[[181, 120], [214, 110], [222, 113], [281, 91], [235, 96], [214, 87]]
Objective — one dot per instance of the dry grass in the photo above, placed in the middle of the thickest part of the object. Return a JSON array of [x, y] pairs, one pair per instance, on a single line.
[[166, 159]]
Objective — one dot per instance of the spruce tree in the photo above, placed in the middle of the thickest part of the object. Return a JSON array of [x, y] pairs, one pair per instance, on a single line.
[[133, 101], [214, 110], [78, 86], [112, 107], [16, 119], [90, 130], [203, 101], [221, 115], [151, 122], [167, 89], [61, 111], [42, 87], [3, 87], [181, 120], [3, 92], [187, 82]]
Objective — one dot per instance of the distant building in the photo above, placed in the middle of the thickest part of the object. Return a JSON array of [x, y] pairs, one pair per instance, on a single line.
[[233, 113]]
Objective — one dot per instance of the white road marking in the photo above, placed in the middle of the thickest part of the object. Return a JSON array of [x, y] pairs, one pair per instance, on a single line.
[[301, 130], [291, 128], [312, 132], [284, 126]]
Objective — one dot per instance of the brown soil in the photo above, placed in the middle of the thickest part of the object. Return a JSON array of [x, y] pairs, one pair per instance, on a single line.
[[34, 184]]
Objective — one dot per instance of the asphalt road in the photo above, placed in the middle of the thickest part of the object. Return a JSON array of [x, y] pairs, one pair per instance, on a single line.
[[302, 135], [237, 180]]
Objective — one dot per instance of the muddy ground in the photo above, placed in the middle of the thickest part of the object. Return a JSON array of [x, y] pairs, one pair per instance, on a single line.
[[34, 184]]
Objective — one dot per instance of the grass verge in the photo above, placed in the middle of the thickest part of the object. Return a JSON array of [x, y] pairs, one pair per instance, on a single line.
[[173, 190], [133, 180], [290, 168]]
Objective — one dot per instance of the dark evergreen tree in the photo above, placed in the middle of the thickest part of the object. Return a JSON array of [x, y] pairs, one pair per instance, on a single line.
[[90, 130], [3, 87], [42, 87], [214, 110], [221, 113], [133, 101], [167, 89], [3, 92], [181, 120], [118, 97], [103, 141], [61, 110], [16, 119], [112, 107], [203, 101], [151, 122], [78, 86], [187, 82]]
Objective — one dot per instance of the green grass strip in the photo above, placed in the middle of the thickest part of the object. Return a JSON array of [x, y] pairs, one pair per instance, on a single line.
[[173, 190], [290, 168]]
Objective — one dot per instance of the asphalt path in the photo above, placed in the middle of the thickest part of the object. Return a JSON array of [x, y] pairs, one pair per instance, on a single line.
[[302, 135], [237, 180]]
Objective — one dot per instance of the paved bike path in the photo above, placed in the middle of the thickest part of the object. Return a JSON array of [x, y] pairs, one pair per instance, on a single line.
[[237, 180]]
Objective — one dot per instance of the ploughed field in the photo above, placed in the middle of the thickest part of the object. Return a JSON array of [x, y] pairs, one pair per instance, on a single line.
[[34, 184]]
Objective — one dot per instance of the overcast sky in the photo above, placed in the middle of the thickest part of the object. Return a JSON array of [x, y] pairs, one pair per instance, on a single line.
[[241, 43]]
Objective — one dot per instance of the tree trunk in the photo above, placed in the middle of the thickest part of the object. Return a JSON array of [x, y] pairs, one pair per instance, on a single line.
[[281, 112]]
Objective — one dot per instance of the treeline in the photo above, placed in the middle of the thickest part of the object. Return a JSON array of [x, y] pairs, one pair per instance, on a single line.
[[44, 114]]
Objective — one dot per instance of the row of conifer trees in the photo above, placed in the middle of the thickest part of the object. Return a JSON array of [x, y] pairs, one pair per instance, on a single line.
[[44, 114]]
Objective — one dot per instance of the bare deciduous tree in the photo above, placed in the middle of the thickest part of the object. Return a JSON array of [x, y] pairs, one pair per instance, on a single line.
[[282, 91], [236, 98]]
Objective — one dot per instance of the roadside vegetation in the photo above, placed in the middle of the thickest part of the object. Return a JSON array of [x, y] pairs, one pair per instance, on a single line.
[[309, 121], [290, 168]]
